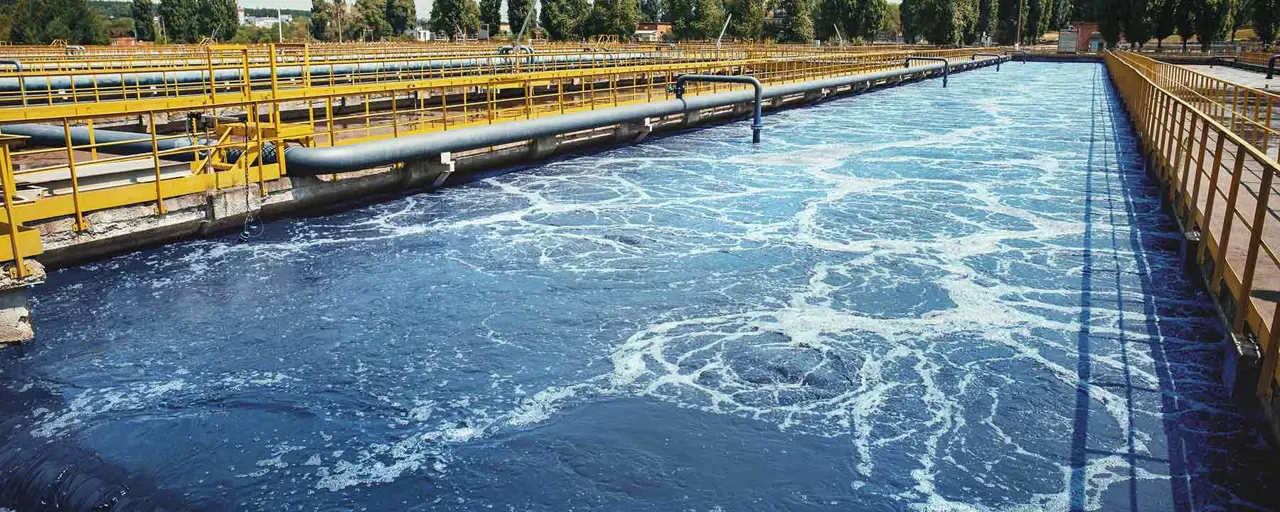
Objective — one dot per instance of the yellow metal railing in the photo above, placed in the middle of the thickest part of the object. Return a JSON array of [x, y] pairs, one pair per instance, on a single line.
[[75, 178], [1249, 112], [1221, 185]]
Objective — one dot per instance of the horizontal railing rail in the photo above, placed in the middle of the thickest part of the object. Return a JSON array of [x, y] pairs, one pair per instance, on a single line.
[[1220, 184], [1249, 112], [87, 156]]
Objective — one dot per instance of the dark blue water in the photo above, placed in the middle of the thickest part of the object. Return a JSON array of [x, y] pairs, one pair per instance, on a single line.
[[914, 299]]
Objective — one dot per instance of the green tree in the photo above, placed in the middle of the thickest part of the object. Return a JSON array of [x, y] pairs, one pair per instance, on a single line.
[[1186, 16], [452, 16], [369, 21], [617, 17], [186, 21], [516, 12], [912, 26], [947, 21], [1031, 27], [1061, 14], [321, 10], [219, 19], [1008, 13], [180, 19], [855, 18], [695, 19], [1163, 23], [1213, 19], [1266, 20], [1241, 15], [1084, 10], [400, 15], [43, 21], [987, 18], [491, 15], [143, 13], [1136, 21], [1109, 20], [651, 10], [798, 25], [565, 20], [891, 24], [747, 18]]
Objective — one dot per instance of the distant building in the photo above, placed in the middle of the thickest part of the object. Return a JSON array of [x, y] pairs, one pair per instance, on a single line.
[[266, 21], [652, 32], [421, 34], [1083, 36]]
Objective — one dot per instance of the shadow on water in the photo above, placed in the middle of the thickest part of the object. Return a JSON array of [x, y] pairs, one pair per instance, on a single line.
[[59, 474], [1209, 462]]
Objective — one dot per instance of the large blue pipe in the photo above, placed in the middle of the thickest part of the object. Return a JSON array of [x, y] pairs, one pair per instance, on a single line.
[[121, 143]]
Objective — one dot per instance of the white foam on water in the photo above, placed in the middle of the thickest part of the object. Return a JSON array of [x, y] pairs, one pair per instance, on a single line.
[[836, 352]]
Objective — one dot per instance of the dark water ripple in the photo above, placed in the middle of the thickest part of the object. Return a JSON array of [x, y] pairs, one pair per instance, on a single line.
[[915, 299]]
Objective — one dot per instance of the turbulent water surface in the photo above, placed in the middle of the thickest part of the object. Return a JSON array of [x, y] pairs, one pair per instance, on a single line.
[[914, 299]]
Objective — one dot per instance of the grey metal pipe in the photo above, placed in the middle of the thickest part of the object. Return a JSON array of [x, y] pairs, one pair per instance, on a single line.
[[304, 161], [946, 66], [1271, 66], [997, 56], [319, 73], [757, 122], [12, 62], [1023, 53], [120, 143]]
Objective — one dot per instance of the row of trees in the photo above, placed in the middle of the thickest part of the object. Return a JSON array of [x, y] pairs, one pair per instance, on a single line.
[[969, 21], [690, 19], [74, 21], [1139, 21], [936, 21], [560, 19], [43, 21], [364, 20], [974, 21]]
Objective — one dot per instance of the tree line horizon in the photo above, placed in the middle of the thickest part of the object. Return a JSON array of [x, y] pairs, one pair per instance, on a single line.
[[943, 22]]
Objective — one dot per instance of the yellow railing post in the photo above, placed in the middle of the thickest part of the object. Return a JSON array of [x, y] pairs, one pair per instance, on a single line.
[[244, 69], [80, 224], [213, 82], [155, 162], [7, 182]]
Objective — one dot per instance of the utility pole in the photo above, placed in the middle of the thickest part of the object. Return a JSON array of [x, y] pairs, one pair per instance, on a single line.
[[280, 24], [723, 29], [1017, 41]]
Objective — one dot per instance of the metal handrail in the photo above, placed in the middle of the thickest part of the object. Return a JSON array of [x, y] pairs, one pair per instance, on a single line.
[[1171, 129], [946, 66], [997, 56], [757, 122]]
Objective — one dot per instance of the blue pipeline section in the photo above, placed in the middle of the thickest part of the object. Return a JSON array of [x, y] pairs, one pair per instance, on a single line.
[[318, 73], [125, 143]]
